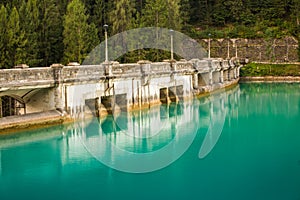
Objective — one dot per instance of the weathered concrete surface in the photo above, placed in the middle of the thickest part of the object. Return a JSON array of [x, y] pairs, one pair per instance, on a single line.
[[111, 87], [30, 121]]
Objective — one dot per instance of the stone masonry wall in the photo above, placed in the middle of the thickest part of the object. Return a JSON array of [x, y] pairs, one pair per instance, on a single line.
[[259, 50]]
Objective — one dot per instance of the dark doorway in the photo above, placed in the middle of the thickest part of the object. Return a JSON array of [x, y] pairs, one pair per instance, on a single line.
[[10, 106]]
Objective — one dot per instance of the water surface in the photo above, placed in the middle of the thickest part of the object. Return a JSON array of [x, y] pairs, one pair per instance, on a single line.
[[254, 155]]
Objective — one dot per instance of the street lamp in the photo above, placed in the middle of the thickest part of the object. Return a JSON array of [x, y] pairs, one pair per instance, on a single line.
[[209, 45], [172, 47], [106, 48]]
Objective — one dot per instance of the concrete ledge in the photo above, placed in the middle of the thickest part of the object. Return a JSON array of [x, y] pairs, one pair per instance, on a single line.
[[278, 79], [30, 121]]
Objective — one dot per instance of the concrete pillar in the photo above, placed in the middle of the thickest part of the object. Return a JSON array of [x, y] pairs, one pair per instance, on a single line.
[[225, 75], [172, 94], [221, 76], [210, 78], [107, 68], [216, 77], [58, 91], [235, 73], [238, 71], [145, 67], [98, 106], [195, 81], [230, 74]]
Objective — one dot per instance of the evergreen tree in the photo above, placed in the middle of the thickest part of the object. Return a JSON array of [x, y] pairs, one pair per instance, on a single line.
[[165, 14], [9, 4], [162, 13], [76, 33], [16, 40], [155, 13], [140, 4], [50, 38], [3, 36], [220, 14], [29, 24], [122, 17], [185, 11], [175, 21], [98, 16]]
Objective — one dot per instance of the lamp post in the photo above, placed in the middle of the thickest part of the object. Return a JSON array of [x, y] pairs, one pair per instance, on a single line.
[[106, 48], [209, 45], [172, 47]]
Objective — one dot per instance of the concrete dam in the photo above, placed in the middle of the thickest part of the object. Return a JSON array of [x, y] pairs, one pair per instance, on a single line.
[[110, 87]]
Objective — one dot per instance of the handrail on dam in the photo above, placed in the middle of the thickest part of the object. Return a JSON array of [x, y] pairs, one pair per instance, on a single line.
[[46, 75]]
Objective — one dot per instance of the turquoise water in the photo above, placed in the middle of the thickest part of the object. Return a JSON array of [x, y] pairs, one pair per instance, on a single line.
[[240, 144]]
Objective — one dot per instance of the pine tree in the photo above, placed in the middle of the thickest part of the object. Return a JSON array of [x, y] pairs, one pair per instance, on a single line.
[[16, 40], [50, 37], [164, 14], [122, 17], [175, 21], [29, 24], [3, 36], [76, 33], [9, 4], [155, 13], [185, 11], [97, 17]]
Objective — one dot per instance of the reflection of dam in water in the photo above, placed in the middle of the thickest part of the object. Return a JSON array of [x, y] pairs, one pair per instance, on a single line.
[[257, 148], [170, 127], [135, 137]]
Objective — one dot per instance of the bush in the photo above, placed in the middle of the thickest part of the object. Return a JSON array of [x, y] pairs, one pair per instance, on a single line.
[[254, 69]]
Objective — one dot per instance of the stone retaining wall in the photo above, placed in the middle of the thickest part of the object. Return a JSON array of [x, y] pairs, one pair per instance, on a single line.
[[260, 50]]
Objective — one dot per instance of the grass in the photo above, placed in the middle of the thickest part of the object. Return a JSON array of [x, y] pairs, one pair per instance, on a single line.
[[254, 69]]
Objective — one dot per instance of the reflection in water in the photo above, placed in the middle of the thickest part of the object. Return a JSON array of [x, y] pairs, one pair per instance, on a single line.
[[155, 137], [256, 155], [270, 99], [215, 111]]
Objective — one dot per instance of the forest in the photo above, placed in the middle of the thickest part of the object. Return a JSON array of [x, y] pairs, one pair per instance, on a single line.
[[43, 32]]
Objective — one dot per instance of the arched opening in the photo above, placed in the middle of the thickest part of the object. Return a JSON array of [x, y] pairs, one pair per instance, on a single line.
[[12, 105]]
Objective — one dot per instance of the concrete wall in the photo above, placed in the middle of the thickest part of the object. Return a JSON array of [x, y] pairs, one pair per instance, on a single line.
[[112, 87]]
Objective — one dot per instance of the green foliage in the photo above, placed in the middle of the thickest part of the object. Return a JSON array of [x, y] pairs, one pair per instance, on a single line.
[[122, 16], [97, 16], [51, 46], [3, 36], [16, 51], [185, 11], [45, 33], [160, 13], [254, 69], [78, 34], [29, 24]]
